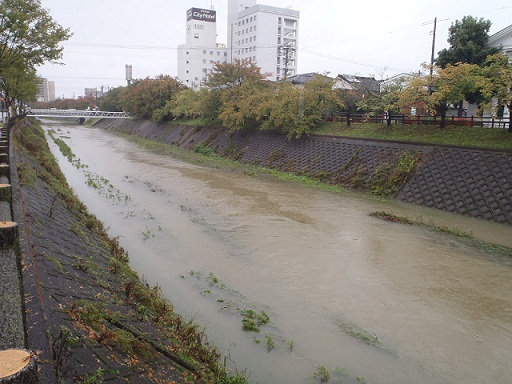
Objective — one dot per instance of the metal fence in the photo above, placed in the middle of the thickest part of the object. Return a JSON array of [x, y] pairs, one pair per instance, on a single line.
[[470, 121]]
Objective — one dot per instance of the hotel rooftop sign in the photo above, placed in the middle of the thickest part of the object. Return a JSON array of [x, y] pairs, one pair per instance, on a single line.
[[201, 14]]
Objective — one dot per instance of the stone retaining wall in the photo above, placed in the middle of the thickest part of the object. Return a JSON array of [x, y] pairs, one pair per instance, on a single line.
[[471, 182]]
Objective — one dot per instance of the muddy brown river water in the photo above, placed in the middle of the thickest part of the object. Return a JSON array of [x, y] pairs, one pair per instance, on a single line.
[[346, 293]]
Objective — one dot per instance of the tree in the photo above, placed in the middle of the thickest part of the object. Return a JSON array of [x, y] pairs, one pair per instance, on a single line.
[[241, 88], [145, 98], [387, 101], [111, 101], [185, 104], [28, 37], [27, 30], [445, 86], [498, 85], [229, 75], [468, 43], [297, 111]]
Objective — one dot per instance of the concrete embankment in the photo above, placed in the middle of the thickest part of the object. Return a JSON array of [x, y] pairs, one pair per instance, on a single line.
[[88, 317], [468, 181]]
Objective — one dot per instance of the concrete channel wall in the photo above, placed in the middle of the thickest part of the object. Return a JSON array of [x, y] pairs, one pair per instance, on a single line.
[[18, 364], [467, 181], [11, 315]]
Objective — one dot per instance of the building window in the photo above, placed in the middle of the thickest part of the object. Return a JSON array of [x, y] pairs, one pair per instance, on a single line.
[[218, 53], [196, 36], [225, 54], [255, 28], [187, 52], [254, 39], [204, 61], [204, 51], [251, 19], [211, 53]]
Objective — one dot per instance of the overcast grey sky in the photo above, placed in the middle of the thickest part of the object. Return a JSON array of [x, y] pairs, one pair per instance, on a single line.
[[366, 37]]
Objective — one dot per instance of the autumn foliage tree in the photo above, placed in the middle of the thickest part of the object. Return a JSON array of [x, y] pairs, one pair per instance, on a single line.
[[498, 85], [296, 111], [146, 98]]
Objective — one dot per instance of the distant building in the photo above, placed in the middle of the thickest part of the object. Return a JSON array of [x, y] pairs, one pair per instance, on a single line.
[[265, 35], [43, 91], [93, 92], [198, 55], [51, 90]]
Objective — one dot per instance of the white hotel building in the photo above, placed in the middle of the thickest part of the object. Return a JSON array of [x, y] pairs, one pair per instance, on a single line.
[[197, 56], [263, 34]]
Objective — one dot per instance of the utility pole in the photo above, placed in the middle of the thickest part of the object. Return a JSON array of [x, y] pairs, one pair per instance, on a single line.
[[433, 48], [286, 49]]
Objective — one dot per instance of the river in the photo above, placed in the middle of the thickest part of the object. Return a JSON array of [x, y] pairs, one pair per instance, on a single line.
[[346, 294]]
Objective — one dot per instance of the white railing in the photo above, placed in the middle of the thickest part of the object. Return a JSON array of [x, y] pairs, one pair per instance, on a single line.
[[77, 113]]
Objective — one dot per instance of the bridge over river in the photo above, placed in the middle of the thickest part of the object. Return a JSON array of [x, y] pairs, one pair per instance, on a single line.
[[74, 113]]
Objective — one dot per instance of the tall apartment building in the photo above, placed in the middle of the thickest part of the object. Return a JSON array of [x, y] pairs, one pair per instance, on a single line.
[[51, 91], [265, 35], [43, 93], [200, 52]]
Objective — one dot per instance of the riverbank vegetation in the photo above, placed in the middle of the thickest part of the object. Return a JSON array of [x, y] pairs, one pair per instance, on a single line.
[[463, 236], [102, 321], [238, 97]]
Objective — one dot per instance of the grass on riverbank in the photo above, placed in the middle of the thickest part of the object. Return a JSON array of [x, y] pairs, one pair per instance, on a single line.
[[491, 138], [456, 232], [211, 159]]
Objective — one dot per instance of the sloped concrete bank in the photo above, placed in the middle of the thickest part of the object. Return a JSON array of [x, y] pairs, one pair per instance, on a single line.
[[467, 181], [88, 317]]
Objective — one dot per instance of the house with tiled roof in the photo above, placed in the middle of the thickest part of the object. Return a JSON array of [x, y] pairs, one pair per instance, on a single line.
[[302, 79], [361, 83]]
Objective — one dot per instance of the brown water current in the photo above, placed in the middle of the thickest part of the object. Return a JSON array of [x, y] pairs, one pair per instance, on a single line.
[[345, 291]]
